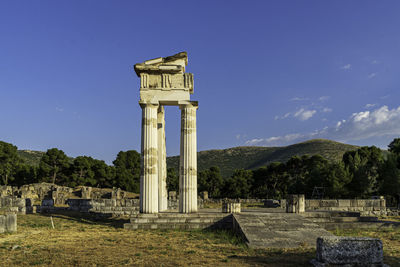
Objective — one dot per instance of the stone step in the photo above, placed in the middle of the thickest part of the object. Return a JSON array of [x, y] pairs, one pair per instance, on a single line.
[[184, 226], [345, 219], [175, 220]]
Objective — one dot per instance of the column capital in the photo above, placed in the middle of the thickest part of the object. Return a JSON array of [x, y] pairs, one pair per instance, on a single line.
[[144, 104], [189, 104]]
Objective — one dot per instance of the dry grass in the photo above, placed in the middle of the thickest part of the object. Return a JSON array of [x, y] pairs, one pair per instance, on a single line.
[[89, 242]]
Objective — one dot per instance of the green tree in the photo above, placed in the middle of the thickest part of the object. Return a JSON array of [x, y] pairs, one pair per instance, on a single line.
[[394, 146], [54, 166], [297, 174], [81, 171], [363, 165], [211, 180], [127, 168], [335, 180], [238, 186], [172, 180], [9, 160], [390, 176], [25, 174]]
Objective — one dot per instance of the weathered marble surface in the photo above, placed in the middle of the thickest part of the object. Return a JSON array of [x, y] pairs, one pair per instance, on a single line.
[[353, 251]]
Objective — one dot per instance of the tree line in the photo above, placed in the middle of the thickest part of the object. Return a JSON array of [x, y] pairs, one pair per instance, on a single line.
[[361, 173], [55, 167]]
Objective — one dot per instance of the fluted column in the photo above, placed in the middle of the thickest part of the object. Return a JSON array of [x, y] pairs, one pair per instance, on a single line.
[[162, 161], [149, 165], [188, 160]]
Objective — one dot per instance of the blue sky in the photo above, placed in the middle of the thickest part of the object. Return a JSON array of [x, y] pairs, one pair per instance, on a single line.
[[266, 72]]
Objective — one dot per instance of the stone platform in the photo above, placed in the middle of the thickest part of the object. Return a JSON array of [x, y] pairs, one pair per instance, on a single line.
[[175, 220]]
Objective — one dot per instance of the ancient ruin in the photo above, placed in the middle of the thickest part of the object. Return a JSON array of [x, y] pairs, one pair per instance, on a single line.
[[164, 82]]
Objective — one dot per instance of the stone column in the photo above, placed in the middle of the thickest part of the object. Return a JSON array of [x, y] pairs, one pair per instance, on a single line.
[[149, 173], [162, 162], [188, 160]]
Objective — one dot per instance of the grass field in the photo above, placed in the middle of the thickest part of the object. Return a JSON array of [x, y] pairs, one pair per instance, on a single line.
[[89, 242]]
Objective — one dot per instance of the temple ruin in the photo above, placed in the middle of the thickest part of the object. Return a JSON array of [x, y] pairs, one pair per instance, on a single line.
[[164, 82]]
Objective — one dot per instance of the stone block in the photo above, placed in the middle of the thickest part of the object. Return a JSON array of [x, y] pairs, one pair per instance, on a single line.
[[11, 223], [313, 203], [344, 203], [204, 195], [361, 203], [360, 251], [353, 203], [2, 223], [172, 195], [295, 204], [231, 207], [329, 203]]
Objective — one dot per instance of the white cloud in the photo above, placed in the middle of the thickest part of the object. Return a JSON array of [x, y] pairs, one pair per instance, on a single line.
[[362, 125], [299, 99], [370, 105], [346, 67], [324, 98], [374, 62], [275, 140], [327, 110], [303, 114], [372, 75], [59, 109], [384, 97]]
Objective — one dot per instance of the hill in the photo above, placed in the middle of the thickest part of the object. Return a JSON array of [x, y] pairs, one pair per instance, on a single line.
[[245, 157], [253, 157]]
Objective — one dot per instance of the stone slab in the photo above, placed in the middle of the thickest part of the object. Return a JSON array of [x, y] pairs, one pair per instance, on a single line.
[[360, 251], [277, 230]]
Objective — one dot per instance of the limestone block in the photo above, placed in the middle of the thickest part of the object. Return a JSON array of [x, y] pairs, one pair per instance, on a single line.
[[362, 251], [86, 192], [353, 203], [229, 207], [116, 193], [11, 222], [19, 202], [172, 195], [361, 202], [313, 203], [383, 203], [204, 195], [295, 203], [344, 203]]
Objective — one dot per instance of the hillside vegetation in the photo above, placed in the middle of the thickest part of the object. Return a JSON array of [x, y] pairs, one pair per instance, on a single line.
[[249, 157], [245, 157], [31, 157]]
